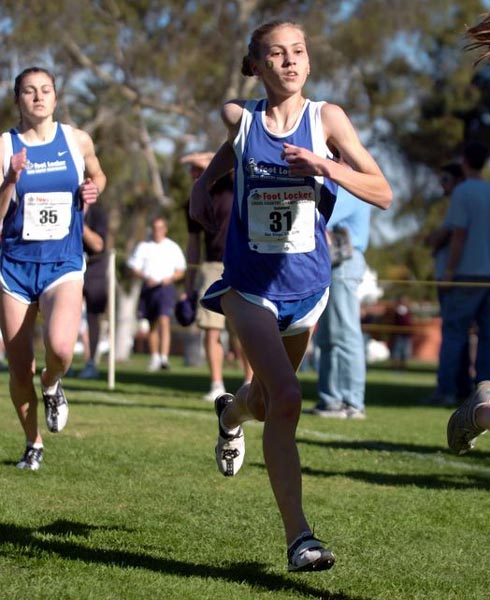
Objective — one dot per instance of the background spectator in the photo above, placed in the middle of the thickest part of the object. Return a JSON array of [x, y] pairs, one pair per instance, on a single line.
[[401, 349], [95, 289], [202, 273], [342, 361], [159, 263]]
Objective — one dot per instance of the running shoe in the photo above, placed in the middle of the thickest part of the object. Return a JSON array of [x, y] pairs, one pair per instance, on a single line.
[[31, 460], [462, 429], [307, 553], [357, 414], [230, 449], [155, 364], [327, 413], [55, 409], [89, 371]]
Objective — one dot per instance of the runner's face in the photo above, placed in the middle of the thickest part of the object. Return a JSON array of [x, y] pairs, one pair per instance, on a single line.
[[284, 61], [37, 97]]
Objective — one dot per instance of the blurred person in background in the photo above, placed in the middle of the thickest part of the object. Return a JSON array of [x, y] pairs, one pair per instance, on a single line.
[[95, 290], [342, 361], [401, 345], [451, 175], [160, 263], [205, 265]]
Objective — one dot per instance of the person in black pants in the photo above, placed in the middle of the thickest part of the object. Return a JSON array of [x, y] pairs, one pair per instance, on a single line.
[[95, 290]]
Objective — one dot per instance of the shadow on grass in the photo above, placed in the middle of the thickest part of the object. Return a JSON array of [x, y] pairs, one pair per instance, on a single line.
[[147, 384], [461, 481], [205, 407], [187, 386], [383, 446], [183, 382], [29, 543], [433, 482], [412, 367], [389, 393]]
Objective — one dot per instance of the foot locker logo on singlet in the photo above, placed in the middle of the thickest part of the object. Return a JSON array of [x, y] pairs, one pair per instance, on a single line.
[[47, 216]]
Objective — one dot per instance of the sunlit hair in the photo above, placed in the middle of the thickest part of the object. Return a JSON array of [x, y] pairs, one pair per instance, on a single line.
[[479, 36], [29, 71], [256, 41]]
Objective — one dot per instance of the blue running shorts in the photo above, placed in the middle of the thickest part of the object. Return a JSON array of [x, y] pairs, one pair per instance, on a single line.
[[293, 316], [26, 281]]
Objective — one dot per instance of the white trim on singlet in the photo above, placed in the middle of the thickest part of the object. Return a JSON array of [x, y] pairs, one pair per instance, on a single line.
[[318, 141], [70, 140], [239, 146], [8, 151], [74, 150], [319, 144], [289, 131], [245, 122]]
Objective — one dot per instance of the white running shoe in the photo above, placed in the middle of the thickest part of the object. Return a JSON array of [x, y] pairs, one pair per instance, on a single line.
[[55, 409], [327, 413], [230, 449], [155, 364], [462, 429], [31, 459], [355, 413], [307, 553]]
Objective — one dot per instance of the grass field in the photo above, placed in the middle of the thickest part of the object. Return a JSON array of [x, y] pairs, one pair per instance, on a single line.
[[129, 503]]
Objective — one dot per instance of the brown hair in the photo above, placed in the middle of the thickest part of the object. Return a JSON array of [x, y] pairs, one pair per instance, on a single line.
[[20, 78], [479, 36], [475, 154], [256, 40]]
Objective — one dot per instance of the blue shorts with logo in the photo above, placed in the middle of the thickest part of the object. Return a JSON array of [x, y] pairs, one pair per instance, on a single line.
[[27, 281], [293, 316]]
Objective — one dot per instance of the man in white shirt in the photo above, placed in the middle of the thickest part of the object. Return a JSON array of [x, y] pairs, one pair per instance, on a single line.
[[160, 263]]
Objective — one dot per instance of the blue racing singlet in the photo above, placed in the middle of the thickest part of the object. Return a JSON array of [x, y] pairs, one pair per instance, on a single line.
[[44, 223], [276, 246]]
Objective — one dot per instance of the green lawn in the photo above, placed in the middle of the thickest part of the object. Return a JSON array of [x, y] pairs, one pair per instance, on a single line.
[[129, 503]]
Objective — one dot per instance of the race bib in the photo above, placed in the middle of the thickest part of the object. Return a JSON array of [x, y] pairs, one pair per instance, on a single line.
[[281, 220], [47, 215]]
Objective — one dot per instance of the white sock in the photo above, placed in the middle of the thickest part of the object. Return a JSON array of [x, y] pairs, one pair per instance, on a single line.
[[35, 445], [164, 358], [51, 389]]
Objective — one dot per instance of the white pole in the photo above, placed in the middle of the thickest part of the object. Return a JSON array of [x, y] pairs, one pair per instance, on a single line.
[[111, 371]]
